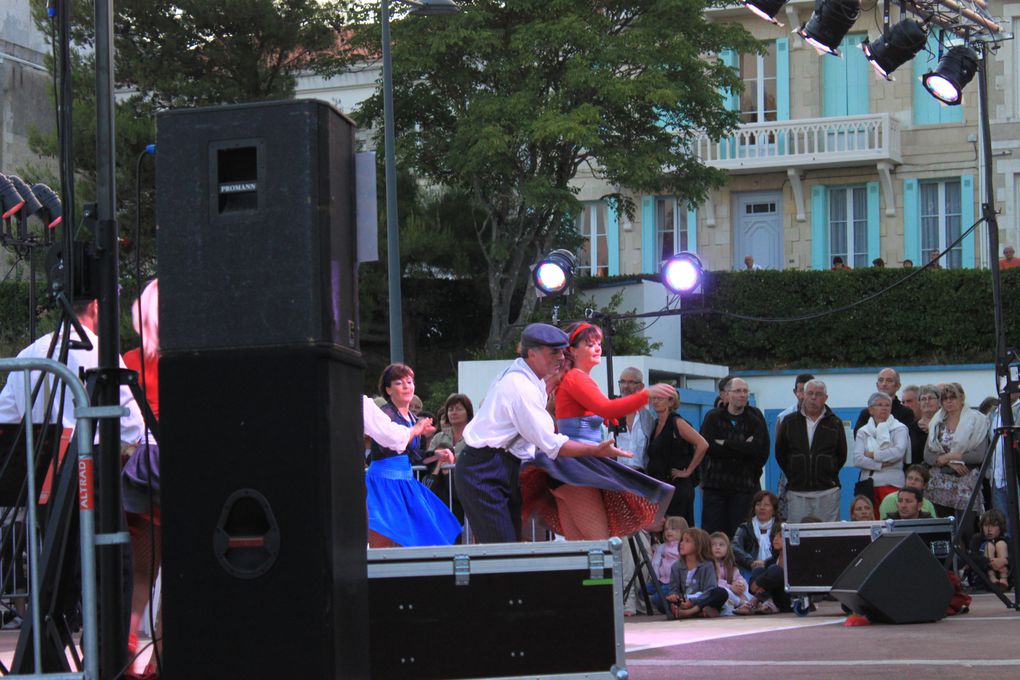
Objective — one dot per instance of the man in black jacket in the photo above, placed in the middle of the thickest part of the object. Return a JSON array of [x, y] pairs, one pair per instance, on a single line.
[[811, 450], [738, 447], [888, 382]]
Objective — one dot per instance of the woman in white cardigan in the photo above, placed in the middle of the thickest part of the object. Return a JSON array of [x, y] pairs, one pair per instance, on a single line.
[[957, 438], [880, 448]]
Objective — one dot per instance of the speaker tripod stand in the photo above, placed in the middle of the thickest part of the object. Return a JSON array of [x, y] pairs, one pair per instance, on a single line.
[[642, 561]]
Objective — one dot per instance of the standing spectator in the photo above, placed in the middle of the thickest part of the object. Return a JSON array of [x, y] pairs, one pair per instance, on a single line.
[[811, 449], [738, 447], [749, 264], [456, 413], [878, 263], [957, 436], [929, 399], [798, 392], [889, 382], [838, 264], [1000, 499], [933, 260], [674, 453], [911, 399], [634, 430], [908, 264], [1009, 259], [724, 385], [880, 447]]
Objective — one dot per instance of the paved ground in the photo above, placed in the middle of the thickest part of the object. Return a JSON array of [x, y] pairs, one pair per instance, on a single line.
[[981, 644]]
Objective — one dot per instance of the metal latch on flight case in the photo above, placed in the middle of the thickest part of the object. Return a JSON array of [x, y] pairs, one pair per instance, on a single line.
[[794, 536], [461, 570], [596, 563]]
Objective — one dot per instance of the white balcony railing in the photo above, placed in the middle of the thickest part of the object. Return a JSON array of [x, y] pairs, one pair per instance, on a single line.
[[804, 143]]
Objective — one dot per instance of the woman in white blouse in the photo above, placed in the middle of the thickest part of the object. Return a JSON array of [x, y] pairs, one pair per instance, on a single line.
[[880, 448]]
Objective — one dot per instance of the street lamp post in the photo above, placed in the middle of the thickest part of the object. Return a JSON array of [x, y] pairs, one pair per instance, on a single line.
[[426, 8]]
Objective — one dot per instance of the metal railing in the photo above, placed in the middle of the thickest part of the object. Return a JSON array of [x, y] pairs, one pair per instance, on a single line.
[[805, 142], [87, 536]]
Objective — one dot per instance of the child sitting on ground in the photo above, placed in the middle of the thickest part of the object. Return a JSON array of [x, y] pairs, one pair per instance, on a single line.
[[665, 556], [693, 587], [767, 584], [989, 548], [728, 574]]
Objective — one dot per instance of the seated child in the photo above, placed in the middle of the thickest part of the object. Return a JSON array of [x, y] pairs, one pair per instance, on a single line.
[[693, 587], [665, 556], [728, 574], [989, 548], [767, 584]]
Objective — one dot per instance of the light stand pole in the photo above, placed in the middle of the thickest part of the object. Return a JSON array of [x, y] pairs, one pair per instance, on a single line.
[[423, 8], [1003, 382], [392, 227]]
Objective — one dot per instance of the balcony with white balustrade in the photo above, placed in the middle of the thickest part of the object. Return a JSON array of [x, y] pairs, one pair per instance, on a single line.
[[793, 146]]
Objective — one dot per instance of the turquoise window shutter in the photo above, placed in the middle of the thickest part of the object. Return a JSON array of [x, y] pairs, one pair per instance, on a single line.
[[967, 219], [692, 230], [649, 264], [858, 76], [732, 99], [912, 222], [845, 81], [874, 222], [783, 79], [613, 237], [927, 110], [819, 227]]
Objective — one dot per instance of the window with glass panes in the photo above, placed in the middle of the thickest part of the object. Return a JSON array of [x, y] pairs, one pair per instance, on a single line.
[[670, 227], [592, 226], [848, 225], [941, 207], [758, 101]]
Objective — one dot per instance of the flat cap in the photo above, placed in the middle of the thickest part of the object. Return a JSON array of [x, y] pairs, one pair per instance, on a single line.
[[543, 335]]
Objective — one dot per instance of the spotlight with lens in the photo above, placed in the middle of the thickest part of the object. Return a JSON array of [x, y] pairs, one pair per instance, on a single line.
[[895, 48], [829, 23], [681, 273], [554, 273], [955, 70], [766, 9]]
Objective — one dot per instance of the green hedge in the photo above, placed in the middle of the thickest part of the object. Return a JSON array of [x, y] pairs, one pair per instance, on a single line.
[[939, 316]]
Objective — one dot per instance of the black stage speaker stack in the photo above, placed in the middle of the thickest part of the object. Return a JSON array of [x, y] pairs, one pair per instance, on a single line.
[[262, 477], [896, 579]]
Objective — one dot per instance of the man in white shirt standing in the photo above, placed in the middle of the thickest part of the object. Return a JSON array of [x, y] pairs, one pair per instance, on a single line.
[[510, 425], [12, 398]]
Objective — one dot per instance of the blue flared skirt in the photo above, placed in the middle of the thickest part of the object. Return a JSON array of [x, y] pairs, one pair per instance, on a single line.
[[403, 510]]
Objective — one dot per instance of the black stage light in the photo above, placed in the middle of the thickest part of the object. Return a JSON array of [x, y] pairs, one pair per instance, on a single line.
[[766, 9], [955, 70], [554, 273], [681, 273], [829, 23], [52, 209], [10, 200], [896, 47], [32, 204]]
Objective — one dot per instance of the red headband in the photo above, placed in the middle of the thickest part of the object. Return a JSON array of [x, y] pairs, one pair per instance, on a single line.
[[578, 331]]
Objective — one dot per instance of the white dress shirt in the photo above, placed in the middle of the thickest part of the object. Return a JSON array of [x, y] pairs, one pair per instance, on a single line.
[[513, 416], [381, 428], [12, 398]]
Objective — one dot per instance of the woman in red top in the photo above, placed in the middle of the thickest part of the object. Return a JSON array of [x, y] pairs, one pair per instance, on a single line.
[[582, 498]]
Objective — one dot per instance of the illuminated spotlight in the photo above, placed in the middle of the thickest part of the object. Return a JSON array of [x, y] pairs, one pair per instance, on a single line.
[[554, 273], [681, 273], [895, 48], [955, 70], [766, 9], [829, 23]]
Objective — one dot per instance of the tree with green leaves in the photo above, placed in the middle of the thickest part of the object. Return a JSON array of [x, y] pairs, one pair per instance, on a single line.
[[507, 101]]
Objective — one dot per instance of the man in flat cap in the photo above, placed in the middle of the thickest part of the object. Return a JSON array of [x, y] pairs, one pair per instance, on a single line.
[[510, 425]]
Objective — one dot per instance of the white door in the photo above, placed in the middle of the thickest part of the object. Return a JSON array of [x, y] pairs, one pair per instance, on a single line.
[[758, 229]]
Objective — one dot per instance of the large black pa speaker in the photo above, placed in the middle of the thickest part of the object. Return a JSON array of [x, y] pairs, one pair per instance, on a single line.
[[264, 522], [896, 579], [255, 206]]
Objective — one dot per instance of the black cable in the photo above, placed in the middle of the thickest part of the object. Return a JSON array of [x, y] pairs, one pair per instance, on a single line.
[[10, 271]]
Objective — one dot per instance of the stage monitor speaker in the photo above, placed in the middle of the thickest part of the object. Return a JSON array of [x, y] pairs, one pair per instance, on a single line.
[[263, 501], [257, 245], [896, 579]]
